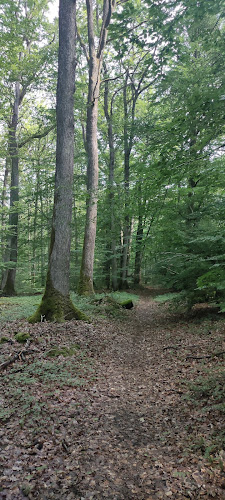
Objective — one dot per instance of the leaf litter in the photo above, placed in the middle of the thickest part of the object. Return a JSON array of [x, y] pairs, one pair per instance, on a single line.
[[102, 410]]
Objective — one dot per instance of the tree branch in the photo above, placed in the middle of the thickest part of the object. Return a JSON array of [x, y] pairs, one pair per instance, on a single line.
[[36, 136]]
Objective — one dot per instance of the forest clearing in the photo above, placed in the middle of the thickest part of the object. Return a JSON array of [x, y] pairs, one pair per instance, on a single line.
[[128, 406]]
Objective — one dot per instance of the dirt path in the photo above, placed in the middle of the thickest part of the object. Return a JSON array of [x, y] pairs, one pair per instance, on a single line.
[[128, 434]]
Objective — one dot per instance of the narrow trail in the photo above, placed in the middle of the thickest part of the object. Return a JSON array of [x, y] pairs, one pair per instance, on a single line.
[[144, 422], [128, 434]]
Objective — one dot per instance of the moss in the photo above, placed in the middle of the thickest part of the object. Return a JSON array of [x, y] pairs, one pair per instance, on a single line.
[[63, 351], [85, 285], [22, 337], [9, 290], [4, 339], [56, 307], [127, 304]]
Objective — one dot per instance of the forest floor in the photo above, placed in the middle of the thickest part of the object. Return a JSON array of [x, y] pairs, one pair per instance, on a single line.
[[107, 409]]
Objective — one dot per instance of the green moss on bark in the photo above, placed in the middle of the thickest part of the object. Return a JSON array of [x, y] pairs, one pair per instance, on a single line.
[[9, 289], [56, 307], [85, 285]]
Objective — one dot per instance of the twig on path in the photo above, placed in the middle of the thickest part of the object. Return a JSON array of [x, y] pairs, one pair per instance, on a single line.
[[19, 355], [172, 347], [65, 446], [208, 356], [180, 346]]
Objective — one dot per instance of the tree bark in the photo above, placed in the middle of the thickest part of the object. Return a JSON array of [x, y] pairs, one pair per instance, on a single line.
[[4, 245], [138, 252], [9, 287], [56, 304], [108, 116], [85, 286], [127, 223]]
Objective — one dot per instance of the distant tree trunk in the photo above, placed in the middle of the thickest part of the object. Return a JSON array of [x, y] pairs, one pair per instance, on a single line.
[[138, 252], [4, 246], [85, 286], [42, 243], [33, 265], [108, 116], [128, 141], [9, 287], [56, 303]]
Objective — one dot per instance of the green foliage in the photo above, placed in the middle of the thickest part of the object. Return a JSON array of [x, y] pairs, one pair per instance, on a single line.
[[166, 297], [211, 391], [172, 56], [104, 304], [14, 308]]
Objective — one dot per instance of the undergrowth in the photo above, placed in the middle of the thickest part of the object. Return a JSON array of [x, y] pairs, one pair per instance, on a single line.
[[26, 388], [20, 307], [207, 393]]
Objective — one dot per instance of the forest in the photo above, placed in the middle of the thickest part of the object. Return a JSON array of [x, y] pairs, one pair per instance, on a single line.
[[112, 260]]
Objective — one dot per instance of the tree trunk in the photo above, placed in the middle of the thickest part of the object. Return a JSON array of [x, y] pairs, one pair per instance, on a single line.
[[127, 224], [4, 245], [9, 288], [33, 265], [108, 116], [56, 303], [138, 252], [85, 286]]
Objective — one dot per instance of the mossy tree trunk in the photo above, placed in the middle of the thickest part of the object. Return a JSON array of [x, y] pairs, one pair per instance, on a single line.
[[56, 304]]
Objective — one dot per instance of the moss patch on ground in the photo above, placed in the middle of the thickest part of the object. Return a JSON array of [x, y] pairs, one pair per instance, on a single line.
[[22, 337], [63, 351]]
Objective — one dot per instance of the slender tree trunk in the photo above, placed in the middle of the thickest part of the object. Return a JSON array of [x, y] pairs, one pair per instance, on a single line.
[[86, 274], [108, 116], [85, 286], [138, 252], [56, 303], [33, 265], [127, 224], [4, 235], [9, 287], [42, 243]]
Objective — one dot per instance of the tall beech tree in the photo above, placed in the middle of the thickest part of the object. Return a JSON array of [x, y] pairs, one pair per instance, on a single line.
[[94, 58], [56, 303], [21, 69]]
